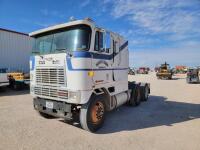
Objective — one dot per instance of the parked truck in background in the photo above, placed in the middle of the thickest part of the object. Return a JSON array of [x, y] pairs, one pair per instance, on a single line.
[[15, 50], [181, 69], [143, 70], [193, 75], [80, 69]]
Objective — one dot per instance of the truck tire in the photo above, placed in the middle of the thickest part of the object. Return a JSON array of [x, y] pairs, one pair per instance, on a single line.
[[144, 93], [92, 114], [45, 115], [135, 98]]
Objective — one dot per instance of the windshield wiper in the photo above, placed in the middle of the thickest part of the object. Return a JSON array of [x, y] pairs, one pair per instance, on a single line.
[[68, 52], [36, 52]]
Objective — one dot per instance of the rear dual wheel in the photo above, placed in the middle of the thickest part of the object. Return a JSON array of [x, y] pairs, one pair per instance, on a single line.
[[144, 93], [92, 114], [135, 98]]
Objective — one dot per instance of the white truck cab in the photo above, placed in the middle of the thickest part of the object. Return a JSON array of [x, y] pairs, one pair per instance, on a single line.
[[3, 77], [80, 69]]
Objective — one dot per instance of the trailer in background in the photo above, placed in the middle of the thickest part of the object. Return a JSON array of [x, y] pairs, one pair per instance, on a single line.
[[15, 50]]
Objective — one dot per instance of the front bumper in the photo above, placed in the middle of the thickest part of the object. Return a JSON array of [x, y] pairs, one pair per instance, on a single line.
[[60, 94], [60, 109]]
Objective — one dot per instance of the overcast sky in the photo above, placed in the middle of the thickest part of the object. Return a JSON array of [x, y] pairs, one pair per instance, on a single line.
[[157, 30]]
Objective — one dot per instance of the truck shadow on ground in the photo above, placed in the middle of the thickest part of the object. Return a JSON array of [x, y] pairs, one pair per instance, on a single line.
[[173, 78], [6, 91], [152, 113], [155, 112]]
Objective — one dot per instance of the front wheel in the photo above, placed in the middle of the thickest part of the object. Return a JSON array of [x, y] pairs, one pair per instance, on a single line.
[[92, 114]]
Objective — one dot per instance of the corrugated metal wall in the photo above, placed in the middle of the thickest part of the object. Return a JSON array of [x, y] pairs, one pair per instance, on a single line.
[[15, 51]]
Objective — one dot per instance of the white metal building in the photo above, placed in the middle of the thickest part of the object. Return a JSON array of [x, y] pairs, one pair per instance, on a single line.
[[15, 50]]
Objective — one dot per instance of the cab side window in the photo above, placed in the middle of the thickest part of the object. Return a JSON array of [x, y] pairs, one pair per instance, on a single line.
[[102, 42], [108, 42], [99, 41]]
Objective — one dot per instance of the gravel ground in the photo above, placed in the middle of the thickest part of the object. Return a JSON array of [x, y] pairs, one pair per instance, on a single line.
[[170, 119]]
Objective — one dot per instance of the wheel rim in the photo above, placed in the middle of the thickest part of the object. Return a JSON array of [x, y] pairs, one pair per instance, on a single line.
[[97, 112]]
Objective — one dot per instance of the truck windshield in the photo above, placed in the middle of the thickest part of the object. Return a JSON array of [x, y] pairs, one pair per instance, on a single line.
[[67, 39]]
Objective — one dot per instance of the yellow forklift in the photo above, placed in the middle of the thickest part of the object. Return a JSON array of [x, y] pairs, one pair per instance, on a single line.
[[18, 80], [164, 72]]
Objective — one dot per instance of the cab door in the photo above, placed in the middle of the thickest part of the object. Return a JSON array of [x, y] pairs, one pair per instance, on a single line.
[[102, 58], [116, 58]]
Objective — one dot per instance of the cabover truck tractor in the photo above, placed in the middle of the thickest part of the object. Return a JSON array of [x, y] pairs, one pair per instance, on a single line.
[[79, 70]]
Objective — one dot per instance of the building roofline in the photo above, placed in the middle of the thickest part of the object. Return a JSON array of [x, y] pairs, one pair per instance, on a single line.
[[7, 30]]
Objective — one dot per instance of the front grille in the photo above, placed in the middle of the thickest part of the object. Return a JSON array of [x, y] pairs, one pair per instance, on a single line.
[[50, 92], [51, 76]]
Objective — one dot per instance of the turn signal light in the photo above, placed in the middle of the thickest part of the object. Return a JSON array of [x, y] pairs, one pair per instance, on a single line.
[[91, 73]]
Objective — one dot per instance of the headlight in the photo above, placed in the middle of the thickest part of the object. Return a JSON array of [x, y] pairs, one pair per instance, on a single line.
[[74, 95]]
